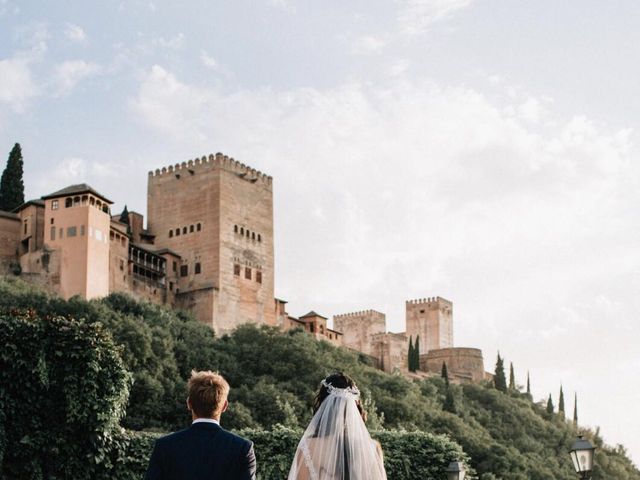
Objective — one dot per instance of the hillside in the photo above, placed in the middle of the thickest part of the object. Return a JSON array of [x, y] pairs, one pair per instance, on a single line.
[[273, 377]]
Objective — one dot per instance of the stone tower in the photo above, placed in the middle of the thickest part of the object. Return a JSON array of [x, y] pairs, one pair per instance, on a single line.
[[358, 328], [432, 319], [216, 214]]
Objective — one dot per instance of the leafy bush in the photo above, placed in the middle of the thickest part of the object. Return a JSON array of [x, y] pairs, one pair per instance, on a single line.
[[408, 455], [64, 388]]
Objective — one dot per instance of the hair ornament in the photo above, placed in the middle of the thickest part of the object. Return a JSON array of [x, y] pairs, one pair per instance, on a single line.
[[348, 392]]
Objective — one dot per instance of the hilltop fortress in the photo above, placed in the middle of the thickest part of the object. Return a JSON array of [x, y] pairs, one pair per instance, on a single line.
[[207, 248]]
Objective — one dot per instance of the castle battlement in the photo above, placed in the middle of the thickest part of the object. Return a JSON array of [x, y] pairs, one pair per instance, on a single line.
[[358, 314], [208, 162], [429, 301]]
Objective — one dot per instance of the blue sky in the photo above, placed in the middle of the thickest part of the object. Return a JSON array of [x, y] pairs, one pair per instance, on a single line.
[[483, 151]]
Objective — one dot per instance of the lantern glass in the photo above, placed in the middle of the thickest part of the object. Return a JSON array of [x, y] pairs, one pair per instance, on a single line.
[[582, 455]]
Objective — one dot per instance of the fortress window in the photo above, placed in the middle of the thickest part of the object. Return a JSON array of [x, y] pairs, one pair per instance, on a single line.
[[51, 220], [92, 201], [259, 276], [54, 204], [198, 268], [184, 270], [247, 233], [253, 235], [235, 229], [122, 265], [85, 199], [259, 237], [171, 286], [76, 200], [82, 230], [105, 208], [199, 227], [247, 273], [53, 233], [68, 202], [184, 230], [236, 269], [311, 327], [177, 232], [25, 227], [191, 228], [112, 235], [170, 233], [61, 232], [175, 266], [421, 311]]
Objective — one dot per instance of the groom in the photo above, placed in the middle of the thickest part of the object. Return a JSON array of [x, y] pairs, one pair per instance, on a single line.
[[205, 450]]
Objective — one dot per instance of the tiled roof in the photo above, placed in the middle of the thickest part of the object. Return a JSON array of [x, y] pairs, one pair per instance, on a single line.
[[76, 190], [10, 215], [36, 201], [313, 314]]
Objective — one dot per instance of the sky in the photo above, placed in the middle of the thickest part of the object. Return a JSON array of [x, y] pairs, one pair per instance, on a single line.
[[479, 150]]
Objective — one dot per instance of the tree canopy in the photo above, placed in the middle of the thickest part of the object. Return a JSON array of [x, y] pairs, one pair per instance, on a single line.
[[11, 183]]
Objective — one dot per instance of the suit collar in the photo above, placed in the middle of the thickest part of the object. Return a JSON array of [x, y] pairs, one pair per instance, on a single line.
[[205, 426]]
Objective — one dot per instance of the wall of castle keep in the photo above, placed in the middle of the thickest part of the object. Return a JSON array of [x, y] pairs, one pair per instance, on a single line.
[[391, 350], [431, 319], [358, 327], [217, 214], [463, 364]]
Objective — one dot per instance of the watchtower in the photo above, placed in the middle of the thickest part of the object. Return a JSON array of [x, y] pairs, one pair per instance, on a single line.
[[217, 215], [358, 327], [431, 319]]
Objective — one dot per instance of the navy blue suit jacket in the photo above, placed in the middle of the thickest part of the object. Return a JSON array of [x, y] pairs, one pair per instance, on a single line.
[[204, 451]]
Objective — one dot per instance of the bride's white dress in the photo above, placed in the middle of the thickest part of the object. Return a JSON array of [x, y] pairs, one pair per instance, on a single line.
[[336, 445]]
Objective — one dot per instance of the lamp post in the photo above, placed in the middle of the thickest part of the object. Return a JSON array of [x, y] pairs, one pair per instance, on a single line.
[[455, 471], [581, 454]]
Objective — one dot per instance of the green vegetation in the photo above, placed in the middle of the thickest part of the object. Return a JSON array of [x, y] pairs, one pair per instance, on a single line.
[[274, 376], [11, 184], [499, 380]]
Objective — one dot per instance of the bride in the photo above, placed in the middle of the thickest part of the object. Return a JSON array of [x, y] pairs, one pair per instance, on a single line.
[[336, 445]]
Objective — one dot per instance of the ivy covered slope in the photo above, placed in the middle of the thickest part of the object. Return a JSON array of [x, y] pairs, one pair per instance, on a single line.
[[274, 375]]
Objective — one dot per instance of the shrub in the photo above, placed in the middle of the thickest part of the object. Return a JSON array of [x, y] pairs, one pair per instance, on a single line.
[[64, 389]]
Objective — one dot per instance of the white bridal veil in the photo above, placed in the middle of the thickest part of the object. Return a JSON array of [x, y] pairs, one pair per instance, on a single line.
[[336, 445]]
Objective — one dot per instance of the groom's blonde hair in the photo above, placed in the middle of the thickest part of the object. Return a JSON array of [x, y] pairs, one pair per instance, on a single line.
[[207, 393]]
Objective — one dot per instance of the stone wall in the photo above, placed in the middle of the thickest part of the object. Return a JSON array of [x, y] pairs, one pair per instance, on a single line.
[[432, 320], [463, 364], [9, 238], [391, 350]]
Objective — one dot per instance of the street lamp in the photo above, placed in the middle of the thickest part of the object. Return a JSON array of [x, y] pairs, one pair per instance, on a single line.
[[455, 471], [581, 454]]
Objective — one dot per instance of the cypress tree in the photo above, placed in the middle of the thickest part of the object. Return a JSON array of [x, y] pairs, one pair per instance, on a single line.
[[528, 385], [410, 355], [416, 353], [575, 410], [561, 402], [512, 378], [499, 379], [449, 402], [11, 184], [550, 405], [124, 216], [445, 373]]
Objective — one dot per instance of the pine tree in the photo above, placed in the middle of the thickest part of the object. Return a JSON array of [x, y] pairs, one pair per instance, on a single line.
[[11, 184], [416, 353], [499, 379], [575, 410], [410, 355], [528, 385], [449, 402], [512, 378], [561, 403], [550, 405], [445, 373]]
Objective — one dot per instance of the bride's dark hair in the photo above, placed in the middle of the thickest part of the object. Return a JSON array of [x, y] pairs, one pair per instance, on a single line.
[[338, 380]]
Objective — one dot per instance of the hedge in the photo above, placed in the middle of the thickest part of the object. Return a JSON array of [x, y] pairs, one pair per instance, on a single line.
[[408, 455]]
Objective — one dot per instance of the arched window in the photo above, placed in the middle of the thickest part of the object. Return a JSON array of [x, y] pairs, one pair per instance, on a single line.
[[259, 237], [247, 233], [199, 227], [241, 230], [235, 229], [177, 232], [68, 202], [170, 233], [191, 228], [184, 230], [253, 235]]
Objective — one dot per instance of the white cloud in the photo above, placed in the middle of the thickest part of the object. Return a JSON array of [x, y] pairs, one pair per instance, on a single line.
[[417, 16], [208, 61], [17, 86], [75, 33], [174, 43], [69, 73], [368, 44]]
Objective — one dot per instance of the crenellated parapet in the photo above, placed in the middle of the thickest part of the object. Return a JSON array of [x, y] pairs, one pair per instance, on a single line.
[[192, 167], [429, 301], [362, 313]]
